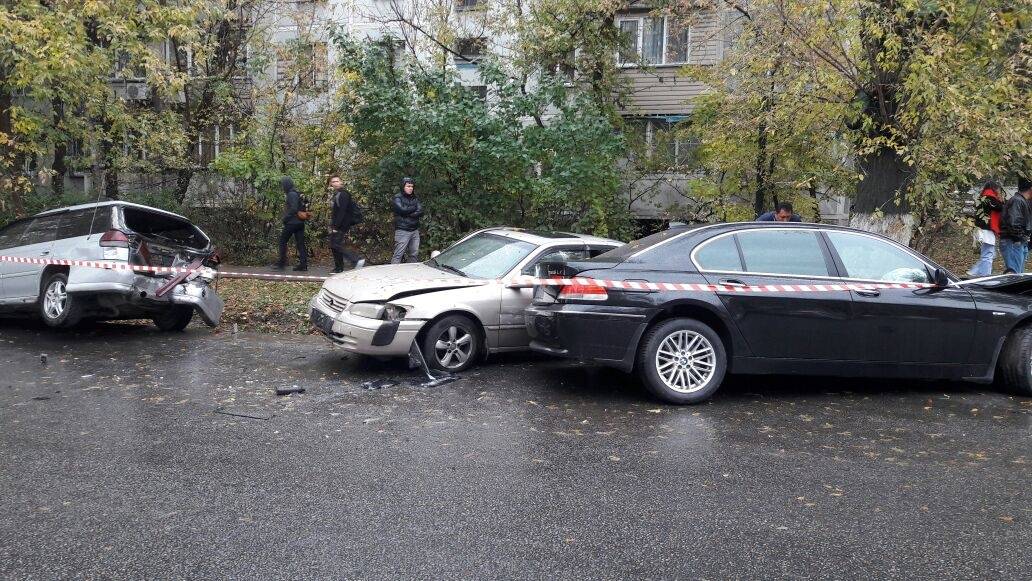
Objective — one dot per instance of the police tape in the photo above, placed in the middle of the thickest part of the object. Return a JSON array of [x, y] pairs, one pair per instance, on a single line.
[[510, 282]]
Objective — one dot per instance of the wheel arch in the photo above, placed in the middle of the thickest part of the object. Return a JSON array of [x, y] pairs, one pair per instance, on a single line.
[[700, 311], [49, 271], [481, 330]]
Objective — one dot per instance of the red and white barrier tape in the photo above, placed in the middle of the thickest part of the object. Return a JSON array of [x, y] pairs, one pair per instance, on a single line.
[[513, 282]]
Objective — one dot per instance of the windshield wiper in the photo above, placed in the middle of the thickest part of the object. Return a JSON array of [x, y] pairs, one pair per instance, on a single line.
[[449, 268]]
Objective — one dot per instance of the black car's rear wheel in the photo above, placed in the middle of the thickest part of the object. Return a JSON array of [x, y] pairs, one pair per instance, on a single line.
[[1014, 371], [682, 361]]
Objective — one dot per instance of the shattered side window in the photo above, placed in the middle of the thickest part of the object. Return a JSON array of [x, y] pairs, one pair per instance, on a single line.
[[163, 228]]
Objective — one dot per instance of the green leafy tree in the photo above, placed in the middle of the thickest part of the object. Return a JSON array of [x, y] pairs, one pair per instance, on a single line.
[[480, 162]]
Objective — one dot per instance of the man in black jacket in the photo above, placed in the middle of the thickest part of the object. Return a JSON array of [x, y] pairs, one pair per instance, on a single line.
[[344, 214], [293, 226], [407, 212], [1016, 227]]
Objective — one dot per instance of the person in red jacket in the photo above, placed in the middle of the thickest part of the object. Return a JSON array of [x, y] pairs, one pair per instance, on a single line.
[[987, 219]]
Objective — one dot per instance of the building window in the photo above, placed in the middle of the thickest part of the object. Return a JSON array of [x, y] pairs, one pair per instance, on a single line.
[[659, 141], [303, 66], [461, 5], [654, 40], [212, 141], [480, 92], [471, 50]]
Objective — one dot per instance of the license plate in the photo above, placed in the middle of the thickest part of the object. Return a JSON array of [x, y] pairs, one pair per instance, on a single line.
[[321, 321]]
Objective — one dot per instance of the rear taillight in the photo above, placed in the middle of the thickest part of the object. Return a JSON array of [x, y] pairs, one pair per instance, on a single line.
[[115, 239], [584, 292]]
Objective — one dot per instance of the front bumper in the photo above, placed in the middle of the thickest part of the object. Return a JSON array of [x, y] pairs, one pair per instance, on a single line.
[[362, 334]]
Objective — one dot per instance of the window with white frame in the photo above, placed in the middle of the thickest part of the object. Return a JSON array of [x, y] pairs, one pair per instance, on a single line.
[[654, 40], [659, 141]]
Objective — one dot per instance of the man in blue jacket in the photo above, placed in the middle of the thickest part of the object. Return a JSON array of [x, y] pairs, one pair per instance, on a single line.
[[783, 213], [407, 212]]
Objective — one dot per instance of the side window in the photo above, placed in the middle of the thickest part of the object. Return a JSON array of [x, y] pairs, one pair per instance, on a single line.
[[719, 254], [75, 224], [558, 255], [873, 259], [795, 252], [674, 255], [12, 234], [43, 229]]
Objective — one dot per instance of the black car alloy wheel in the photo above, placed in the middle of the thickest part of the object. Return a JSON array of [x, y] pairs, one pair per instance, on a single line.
[[682, 361]]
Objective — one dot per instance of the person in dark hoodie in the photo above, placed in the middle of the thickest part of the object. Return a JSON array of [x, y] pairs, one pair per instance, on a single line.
[[1016, 227], [294, 217], [345, 213], [407, 212]]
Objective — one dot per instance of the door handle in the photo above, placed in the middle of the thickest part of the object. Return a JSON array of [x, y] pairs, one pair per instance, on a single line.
[[731, 282], [868, 292]]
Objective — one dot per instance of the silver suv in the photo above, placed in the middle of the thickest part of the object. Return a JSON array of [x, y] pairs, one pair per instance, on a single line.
[[116, 232]]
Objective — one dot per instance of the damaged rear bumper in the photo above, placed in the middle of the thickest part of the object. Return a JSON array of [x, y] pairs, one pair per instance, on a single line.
[[117, 290]]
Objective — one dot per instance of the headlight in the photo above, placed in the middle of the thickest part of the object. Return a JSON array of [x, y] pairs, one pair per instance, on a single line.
[[394, 312], [367, 310]]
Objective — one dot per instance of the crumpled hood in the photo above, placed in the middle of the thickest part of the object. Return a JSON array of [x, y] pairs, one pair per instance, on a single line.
[[381, 283]]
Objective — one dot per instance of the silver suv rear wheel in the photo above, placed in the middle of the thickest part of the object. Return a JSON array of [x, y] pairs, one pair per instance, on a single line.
[[57, 307]]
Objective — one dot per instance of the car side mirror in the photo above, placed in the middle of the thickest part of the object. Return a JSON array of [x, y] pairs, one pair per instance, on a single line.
[[435, 254], [940, 278]]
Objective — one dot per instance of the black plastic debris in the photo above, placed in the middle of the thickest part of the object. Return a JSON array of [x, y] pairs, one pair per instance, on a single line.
[[289, 390], [245, 413], [43, 359], [379, 384], [41, 398]]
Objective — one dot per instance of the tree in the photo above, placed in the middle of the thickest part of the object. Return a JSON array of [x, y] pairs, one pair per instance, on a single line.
[[923, 97], [480, 161]]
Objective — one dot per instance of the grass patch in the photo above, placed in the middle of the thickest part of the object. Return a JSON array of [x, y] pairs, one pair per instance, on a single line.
[[267, 306]]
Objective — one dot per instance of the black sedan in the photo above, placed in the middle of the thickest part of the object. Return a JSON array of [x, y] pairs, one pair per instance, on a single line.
[[781, 298]]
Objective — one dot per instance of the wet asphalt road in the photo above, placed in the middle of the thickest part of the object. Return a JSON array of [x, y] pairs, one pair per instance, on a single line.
[[114, 464]]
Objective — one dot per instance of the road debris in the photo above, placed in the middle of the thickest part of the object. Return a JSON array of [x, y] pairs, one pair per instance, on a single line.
[[287, 390], [245, 413], [379, 384]]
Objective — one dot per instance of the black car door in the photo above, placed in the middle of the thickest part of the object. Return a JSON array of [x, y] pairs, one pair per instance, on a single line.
[[903, 326], [781, 324]]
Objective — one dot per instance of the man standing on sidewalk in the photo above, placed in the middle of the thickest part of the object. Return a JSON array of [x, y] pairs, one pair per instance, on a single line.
[[1016, 227], [293, 226], [407, 212], [345, 213]]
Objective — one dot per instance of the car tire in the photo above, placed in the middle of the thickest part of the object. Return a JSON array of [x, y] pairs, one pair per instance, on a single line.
[[174, 319], [1014, 371], [57, 307], [452, 344], [682, 361]]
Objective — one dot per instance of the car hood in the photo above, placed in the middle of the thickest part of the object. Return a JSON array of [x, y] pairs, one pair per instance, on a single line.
[[383, 283]]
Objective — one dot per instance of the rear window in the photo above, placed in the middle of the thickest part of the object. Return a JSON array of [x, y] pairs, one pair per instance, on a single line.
[[163, 228], [622, 253], [84, 222]]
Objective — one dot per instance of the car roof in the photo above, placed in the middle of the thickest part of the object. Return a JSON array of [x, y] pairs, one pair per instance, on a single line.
[[111, 203], [549, 238]]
